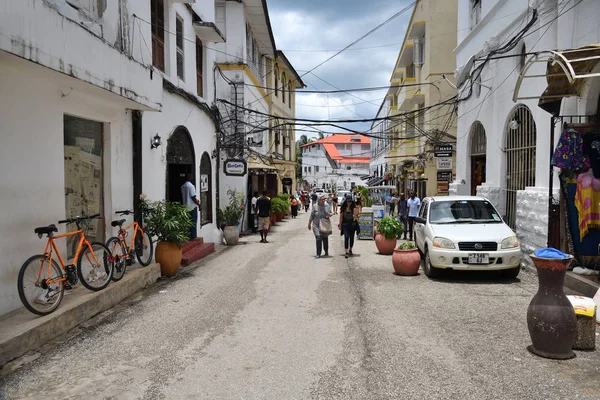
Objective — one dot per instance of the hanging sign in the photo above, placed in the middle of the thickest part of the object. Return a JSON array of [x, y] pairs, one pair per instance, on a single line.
[[442, 150], [235, 167], [286, 181], [444, 163]]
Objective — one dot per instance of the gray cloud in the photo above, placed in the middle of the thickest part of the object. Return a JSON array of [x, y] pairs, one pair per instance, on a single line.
[[303, 29]]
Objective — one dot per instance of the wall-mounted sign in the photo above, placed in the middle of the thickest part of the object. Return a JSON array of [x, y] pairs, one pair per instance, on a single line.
[[286, 181], [235, 167], [444, 176], [204, 183], [442, 150], [444, 163], [442, 187]]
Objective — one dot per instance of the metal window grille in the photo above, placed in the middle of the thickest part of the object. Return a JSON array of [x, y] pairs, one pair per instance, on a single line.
[[157, 19], [478, 140], [520, 136], [179, 43], [199, 67]]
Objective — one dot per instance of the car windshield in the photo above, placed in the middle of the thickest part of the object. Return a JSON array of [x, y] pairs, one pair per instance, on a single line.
[[463, 212]]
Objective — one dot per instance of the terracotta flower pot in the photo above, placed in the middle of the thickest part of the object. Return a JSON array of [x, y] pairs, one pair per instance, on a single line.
[[231, 235], [168, 255], [406, 262], [273, 219], [385, 246], [551, 319]]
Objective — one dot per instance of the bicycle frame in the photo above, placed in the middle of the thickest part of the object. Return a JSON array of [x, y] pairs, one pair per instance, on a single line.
[[51, 246], [136, 229]]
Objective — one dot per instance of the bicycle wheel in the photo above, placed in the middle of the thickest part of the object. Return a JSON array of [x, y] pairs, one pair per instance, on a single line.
[[95, 268], [36, 295], [119, 253], [144, 248]]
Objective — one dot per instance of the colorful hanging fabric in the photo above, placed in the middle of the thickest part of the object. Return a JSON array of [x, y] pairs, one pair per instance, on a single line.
[[569, 153], [587, 201]]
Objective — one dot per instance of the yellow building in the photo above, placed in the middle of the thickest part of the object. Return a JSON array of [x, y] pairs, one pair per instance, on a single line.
[[283, 78], [417, 85]]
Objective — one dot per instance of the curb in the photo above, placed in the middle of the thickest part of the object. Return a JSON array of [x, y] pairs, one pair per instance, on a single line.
[[574, 282], [22, 331]]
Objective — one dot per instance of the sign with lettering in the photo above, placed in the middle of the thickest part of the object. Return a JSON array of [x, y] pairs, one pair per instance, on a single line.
[[286, 181], [235, 167], [442, 150], [444, 176], [444, 163], [365, 221]]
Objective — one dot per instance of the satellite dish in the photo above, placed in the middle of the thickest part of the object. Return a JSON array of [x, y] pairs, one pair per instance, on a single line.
[[465, 72]]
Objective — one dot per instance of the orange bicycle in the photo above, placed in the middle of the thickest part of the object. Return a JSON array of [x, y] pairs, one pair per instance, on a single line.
[[41, 282], [122, 252]]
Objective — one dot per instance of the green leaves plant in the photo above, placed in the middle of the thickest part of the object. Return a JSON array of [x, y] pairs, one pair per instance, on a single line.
[[167, 221], [407, 246], [232, 214], [390, 228]]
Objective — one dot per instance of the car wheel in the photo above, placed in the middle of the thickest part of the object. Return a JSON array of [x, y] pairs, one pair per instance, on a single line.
[[511, 273], [430, 271]]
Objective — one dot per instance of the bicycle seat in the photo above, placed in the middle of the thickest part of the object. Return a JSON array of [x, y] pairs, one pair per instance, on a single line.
[[42, 230], [118, 223]]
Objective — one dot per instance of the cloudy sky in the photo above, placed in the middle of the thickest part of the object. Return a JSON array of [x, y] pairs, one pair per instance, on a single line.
[[310, 31]]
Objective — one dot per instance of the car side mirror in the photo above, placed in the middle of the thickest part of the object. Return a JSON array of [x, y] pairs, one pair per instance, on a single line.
[[420, 220]]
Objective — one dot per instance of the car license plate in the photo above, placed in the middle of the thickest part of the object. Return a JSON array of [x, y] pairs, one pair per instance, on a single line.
[[479, 258]]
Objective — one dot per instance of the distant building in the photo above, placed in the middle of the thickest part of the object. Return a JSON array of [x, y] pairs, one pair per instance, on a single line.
[[338, 161]]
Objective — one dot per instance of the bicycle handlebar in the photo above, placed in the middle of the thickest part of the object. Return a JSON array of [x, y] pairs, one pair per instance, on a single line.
[[124, 212], [78, 219]]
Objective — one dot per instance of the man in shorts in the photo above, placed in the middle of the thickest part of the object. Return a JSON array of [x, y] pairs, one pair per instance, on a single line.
[[263, 205]]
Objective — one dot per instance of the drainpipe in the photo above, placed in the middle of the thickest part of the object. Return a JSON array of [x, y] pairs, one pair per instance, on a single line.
[[136, 121]]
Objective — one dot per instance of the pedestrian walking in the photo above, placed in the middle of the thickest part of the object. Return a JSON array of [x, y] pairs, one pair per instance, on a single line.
[[346, 224], [306, 202], [263, 205], [335, 202], [393, 202], [413, 205], [294, 206], [403, 212], [320, 211], [189, 199], [253, 213]]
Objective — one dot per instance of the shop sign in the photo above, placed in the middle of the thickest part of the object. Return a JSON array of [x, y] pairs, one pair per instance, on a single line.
[[444, 163], [204, 183], [235, 167], [442, 150], [286, 181], [442, 187], [444, 176]]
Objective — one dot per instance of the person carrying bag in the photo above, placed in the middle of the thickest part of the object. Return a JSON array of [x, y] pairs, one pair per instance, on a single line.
[[320, 225]]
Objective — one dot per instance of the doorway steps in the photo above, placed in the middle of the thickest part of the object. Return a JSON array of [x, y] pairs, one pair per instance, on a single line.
[[195, 250]]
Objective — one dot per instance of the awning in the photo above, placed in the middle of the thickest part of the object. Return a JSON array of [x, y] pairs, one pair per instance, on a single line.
[[417, 30], [258, 166], [375, 181], [410, 102], [566, 71], [208, 31], [406, 58]]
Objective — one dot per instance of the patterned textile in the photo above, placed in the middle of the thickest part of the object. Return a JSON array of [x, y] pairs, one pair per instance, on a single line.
[[587, 201], [569, 152]]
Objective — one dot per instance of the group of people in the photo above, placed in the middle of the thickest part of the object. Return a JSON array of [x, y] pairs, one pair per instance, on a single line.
[[407, 211]]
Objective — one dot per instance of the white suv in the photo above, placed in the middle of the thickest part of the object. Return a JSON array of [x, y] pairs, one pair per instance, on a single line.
[[465, 232]]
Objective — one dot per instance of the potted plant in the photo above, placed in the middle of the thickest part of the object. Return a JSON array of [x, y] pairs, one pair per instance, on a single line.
[[406, 259], [169, 223], [232, 215], [388, 231], [278, 206]]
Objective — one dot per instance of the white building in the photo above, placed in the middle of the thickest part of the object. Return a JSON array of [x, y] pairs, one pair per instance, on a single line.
[[504, 146], [380, 143], [81, 101], [339, 160]]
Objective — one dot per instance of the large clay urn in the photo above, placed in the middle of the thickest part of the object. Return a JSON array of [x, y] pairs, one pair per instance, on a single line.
[[231, 234], [168, 255], [550, 317], [385, 246], [406, 262]]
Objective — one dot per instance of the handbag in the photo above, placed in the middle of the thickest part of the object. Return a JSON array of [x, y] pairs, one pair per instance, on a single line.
[[325, 226]]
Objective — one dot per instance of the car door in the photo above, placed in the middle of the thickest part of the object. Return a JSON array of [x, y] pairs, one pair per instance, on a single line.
[[420, 226]]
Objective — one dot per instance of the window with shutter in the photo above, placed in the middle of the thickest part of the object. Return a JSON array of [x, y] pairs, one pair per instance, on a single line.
[[179, 44], [157, 19], [283, 87], [475, 12], [276, 81], [199, 67], [290, 93]]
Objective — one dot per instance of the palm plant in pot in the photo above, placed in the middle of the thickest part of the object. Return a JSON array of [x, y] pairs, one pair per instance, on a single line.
[[169, 223], [389, 230], [231, 216], [406, 259]]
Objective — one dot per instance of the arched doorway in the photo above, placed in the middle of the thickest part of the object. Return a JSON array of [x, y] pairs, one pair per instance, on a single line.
[[180, 161], [477, 152], [520, 136], [206, 189]]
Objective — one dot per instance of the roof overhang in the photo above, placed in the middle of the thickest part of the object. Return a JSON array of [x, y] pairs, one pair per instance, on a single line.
[[298, 83], [406, 57], [208, 31], [566, 72], [257, 14], [417, 30]]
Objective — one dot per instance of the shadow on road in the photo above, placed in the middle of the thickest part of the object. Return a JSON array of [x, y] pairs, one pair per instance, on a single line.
[[474, 277]]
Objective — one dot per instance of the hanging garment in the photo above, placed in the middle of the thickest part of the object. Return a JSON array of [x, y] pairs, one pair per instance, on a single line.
[[587, 202], [591, 147], [569, 153]]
